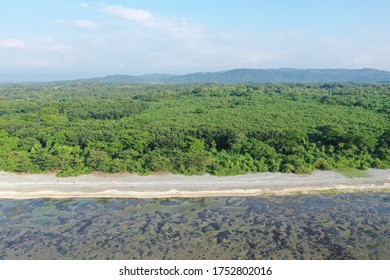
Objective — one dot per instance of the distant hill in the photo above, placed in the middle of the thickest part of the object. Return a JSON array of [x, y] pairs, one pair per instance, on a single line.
[[285, 75], [149, 78]]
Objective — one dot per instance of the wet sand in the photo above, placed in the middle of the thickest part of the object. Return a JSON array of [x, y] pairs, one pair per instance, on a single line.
[[28, 186]]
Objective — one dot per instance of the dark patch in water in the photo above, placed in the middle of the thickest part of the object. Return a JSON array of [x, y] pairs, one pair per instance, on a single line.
[[215, 226], [221, 236]]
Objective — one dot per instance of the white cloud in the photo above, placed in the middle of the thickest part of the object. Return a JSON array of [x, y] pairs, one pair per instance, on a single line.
[[80, 23], [11, 43], [39, 63], [84, 5], [180, 30], [86, 24], [59, 48], [46, 38], [140, 16]]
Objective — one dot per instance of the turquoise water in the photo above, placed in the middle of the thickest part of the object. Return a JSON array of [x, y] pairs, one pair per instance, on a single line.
[[345, 226]]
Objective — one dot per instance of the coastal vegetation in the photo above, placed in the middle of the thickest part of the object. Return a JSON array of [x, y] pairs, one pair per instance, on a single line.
[[74, 128]]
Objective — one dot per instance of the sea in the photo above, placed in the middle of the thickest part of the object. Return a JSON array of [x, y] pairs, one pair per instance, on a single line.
[[321, 226]]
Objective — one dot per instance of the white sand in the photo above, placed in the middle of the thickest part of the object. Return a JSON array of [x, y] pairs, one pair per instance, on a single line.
[[24, 186]]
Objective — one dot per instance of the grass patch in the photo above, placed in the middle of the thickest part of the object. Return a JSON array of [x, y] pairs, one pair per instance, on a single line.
[[353, 173]]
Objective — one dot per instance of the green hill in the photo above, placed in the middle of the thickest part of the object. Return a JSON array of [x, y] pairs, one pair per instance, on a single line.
[[286, 75]]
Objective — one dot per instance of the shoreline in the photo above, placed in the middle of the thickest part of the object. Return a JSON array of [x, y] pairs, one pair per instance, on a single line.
[[125, 185], [191, 194]]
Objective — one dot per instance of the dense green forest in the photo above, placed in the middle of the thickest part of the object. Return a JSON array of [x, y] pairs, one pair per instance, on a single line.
[[79, 127]]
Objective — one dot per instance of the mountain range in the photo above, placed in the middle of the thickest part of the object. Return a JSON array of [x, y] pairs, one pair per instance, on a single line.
[[282, 75], [285, 75]]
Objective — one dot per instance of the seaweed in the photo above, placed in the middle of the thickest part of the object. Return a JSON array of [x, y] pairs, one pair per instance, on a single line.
[[320, 226]]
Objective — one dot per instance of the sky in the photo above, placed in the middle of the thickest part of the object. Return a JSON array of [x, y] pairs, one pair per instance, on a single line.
[[134, 37]]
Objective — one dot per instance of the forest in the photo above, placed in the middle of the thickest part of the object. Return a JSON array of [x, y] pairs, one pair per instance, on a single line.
[[74, 128]]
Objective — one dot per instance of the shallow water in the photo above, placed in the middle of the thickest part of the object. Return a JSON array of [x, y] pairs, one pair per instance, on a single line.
[[345, 226]]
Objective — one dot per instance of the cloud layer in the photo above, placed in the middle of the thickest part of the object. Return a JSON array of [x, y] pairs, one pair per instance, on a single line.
[[118, 39]]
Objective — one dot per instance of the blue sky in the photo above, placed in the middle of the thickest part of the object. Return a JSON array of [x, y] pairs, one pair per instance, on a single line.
[[171, 36]]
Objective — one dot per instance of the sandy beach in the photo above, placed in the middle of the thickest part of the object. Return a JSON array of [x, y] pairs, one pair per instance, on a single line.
[[26, 186]]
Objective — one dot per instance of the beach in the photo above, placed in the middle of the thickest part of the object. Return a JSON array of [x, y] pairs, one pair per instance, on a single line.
[[29, 186]]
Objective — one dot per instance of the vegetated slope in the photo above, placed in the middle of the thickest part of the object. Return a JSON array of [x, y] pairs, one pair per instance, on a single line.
[[75, 128], [284, 75], [260, 76]]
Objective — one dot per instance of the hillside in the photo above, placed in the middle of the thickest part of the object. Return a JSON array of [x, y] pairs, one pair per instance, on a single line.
[[259, 76], [285, 75]]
